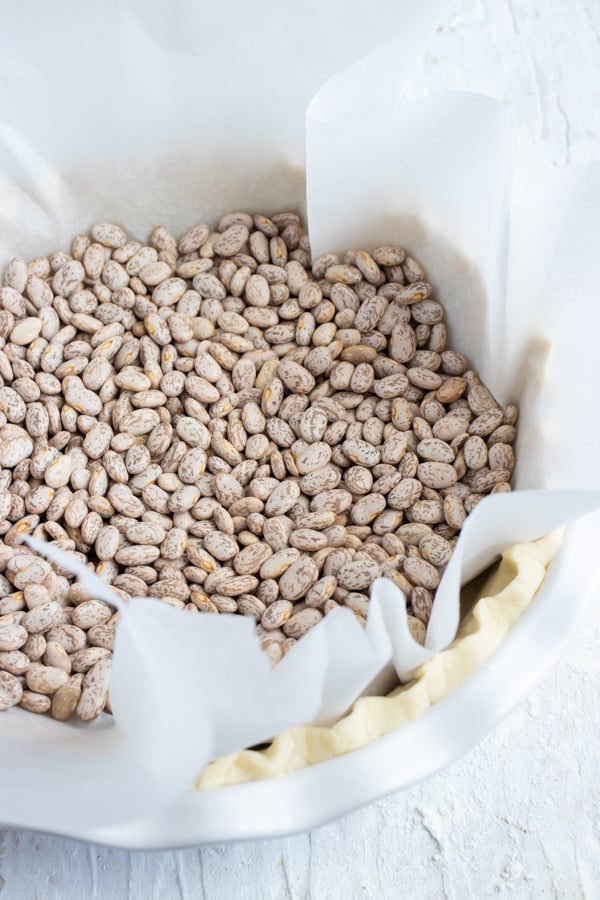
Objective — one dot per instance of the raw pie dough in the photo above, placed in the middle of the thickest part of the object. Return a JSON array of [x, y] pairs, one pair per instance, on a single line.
[[505, 595]]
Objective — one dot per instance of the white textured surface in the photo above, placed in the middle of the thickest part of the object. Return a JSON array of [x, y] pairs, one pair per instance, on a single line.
[[521, 813]]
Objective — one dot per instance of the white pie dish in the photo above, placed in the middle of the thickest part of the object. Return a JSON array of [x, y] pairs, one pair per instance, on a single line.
[[309, 797]]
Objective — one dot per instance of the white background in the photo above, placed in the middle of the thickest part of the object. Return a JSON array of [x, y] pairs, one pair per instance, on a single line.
[[520, 815]]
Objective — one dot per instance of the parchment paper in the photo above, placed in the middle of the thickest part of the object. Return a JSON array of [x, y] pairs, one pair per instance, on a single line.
[[142, 112]]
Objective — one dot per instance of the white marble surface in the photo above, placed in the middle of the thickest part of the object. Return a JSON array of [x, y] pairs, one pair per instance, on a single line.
[[521, 813]]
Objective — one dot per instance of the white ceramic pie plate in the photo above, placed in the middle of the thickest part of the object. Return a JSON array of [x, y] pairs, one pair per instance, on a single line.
[[313, 796]]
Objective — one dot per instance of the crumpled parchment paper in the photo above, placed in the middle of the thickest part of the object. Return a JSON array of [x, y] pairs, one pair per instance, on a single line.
[[142, 112]]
